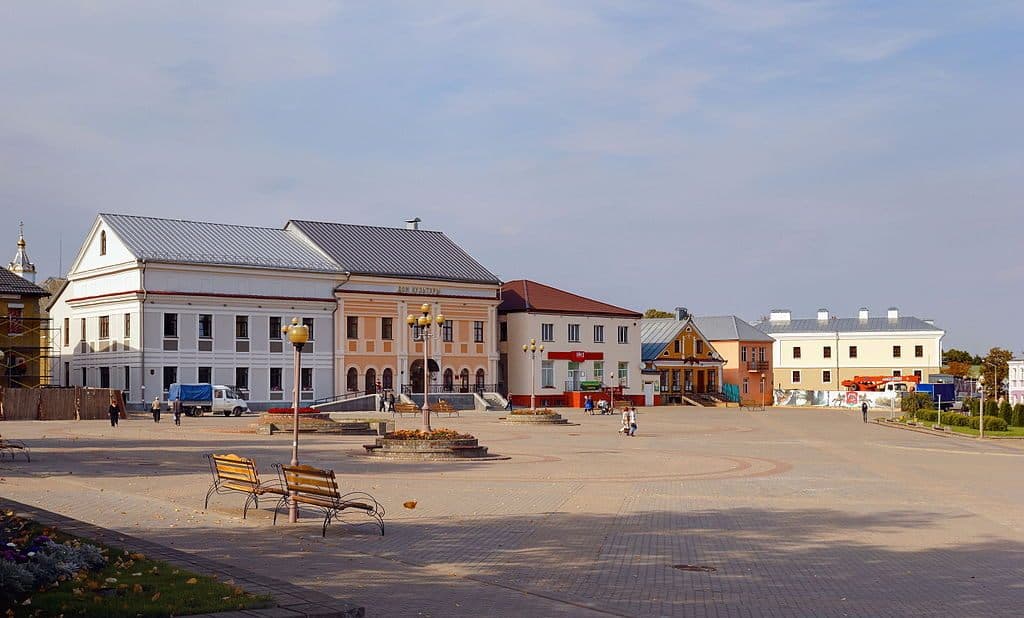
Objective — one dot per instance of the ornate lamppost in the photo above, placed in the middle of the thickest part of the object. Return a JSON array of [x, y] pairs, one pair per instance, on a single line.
[[532, 348], [762, 391], [298, 335], [425, 322]]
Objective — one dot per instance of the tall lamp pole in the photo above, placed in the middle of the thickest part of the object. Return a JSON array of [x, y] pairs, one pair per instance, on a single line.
[[425, 321], [533, 348], [762, 391], [298, 335], [981, 406]]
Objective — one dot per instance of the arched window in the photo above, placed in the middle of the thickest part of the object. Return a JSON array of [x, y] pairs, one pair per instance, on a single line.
[[449, 380], [371, 381], [480, 376], [388, 379], [352, 379], [464, 378], [103, 242]]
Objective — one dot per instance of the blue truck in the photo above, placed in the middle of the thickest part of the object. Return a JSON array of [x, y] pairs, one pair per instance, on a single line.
[[942, 394], [199, 398]]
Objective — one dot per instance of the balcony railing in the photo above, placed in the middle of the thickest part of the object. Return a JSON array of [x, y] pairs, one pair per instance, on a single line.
[[457, 387], [756, 366]]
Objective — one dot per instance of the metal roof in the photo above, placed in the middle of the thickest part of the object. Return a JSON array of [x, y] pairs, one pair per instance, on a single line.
[[846, 325], [393, 252], [197, 242], [11, 283], [728, 328], [656, 334]]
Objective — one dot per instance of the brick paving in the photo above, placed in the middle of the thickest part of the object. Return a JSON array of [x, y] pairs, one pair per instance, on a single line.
[[799, 513]]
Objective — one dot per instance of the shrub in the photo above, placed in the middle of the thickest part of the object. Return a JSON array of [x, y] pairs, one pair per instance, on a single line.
[[971, 405], [1018, 415], [436, 434], [926, 415], [991, 408], [992, 423], [914, 402], [15, 581], [529, 412], [1006, 411]]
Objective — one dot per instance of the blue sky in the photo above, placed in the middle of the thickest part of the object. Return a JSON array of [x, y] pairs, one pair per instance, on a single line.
[[730, 157]]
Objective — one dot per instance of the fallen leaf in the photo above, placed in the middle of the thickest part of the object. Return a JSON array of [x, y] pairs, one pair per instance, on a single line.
[[191, 580], [155, 597], [409, 504], [137, 588]]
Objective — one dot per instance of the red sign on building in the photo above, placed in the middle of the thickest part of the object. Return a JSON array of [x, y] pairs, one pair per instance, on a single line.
[[577, 356]]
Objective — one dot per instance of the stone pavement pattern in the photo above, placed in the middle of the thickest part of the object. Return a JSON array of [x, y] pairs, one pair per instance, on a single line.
[[800, 512]]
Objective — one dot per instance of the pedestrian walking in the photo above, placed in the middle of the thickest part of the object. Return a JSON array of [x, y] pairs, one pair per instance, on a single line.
[[383, 402], [115, 412], [631, 411], [588, 405], [156, 409], [624, 429], [391, 401], [864, 411], [176, 410]]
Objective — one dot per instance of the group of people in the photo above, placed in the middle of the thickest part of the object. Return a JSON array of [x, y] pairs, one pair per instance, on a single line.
[[629, 424], [387, 401], [602, 407], [175, 407]]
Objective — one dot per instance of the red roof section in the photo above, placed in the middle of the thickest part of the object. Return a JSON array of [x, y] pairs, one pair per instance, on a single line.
[[525, 295]]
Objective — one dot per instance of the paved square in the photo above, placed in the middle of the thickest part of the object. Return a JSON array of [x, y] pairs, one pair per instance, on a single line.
[[799, 513]]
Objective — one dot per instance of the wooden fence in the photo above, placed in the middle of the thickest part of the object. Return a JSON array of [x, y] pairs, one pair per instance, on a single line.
[[58, 404]]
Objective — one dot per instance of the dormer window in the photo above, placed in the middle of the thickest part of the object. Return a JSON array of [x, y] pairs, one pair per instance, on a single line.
[[103, 243]]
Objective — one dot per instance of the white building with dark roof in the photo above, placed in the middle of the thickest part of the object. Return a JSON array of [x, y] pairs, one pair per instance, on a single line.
[[152, 301], [822, 352]]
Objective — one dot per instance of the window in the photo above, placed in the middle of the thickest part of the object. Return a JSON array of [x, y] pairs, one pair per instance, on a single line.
[[447, 332], [352, 379], [275, 328], [242, 377], [827, 351], [170, 377], [417, 332], [896, 373], [67, 332], [599, 371], [547, 332], [205, 326], [623, 334], [676, 347], [796, 377], [82, 324], [85, 377], [761, 354], [897, 351], [478, 332], [746, 386], [276, 379], [700, 347], [623, 373], [388, 379], [743, 354], [547, 374], [103, 242], [918, 351], [386, 326], [104, 377], [127, 380], [853, 351], [308, 323], [170, 325], [826, 376], [574, 333], [127, 325], [352, 327], [503, 331], [918, 373], [598, 333], [205, 375], [796, 352], [306, 379], [105, 329], [241, 327]]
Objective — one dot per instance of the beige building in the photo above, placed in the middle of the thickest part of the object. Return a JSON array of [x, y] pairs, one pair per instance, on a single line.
[[820, 353]]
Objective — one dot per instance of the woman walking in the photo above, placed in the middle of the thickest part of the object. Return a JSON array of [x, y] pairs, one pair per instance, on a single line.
[[115, 412]]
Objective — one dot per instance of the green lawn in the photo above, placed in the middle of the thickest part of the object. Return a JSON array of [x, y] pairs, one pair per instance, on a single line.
[[1011, 432], [133, 585]]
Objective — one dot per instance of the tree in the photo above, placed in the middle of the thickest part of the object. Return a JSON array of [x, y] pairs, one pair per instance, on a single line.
[[995, 368], [958, 369], [658, 313], [954, 355], [1006, 412]]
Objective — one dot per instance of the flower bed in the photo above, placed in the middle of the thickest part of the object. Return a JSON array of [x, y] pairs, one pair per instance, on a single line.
[[540, 412], [44, 572], [291, 411], [436, 434]]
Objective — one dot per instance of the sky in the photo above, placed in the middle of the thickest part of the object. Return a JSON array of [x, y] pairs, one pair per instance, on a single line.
[[730, 157]]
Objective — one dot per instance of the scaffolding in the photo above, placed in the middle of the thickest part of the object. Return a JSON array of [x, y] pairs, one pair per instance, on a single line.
[[27, 346]]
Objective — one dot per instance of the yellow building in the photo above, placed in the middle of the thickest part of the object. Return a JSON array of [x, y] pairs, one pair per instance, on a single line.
[[24, 333], [689, 366]]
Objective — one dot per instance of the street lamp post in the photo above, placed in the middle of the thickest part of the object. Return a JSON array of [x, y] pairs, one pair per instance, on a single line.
[[425, 321], [298, 335], [981, 406], [533, 348], [762, 391]]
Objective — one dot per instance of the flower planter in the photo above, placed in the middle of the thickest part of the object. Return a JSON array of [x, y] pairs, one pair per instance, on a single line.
[[429, 449], [541, 417]]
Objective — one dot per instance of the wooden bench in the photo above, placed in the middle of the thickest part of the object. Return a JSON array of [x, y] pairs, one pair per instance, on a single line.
[[443, 407], [238, 474], [13, 447], [406, 408], [307, 486]]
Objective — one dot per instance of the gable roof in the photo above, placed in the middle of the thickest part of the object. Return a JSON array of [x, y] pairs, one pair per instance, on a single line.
[[11, 283], [393, 252], [657, 333], [525, 295], [198, 242], [846, 325], [728, 328]]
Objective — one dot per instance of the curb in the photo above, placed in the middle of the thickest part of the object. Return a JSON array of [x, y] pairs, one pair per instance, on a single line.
[[292, 601]]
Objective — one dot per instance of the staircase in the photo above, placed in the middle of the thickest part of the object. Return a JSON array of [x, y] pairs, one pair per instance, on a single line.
[[494, 401]]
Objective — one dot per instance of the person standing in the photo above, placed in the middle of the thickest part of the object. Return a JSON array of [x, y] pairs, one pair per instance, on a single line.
[[115, 412], [864, 411], [176, 410], [632, 420], [588, 405], [391, 401], [624, 430], [156, 409], [383, 402]]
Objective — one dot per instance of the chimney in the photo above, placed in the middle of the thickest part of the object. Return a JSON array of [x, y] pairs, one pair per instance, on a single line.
[[412, 224], [779, 315], [862, 314], [823, 315], [893, 313], [682, 313], [929, 321]]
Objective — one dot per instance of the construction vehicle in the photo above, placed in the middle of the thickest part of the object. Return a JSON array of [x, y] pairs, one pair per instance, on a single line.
[[882, 383]]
